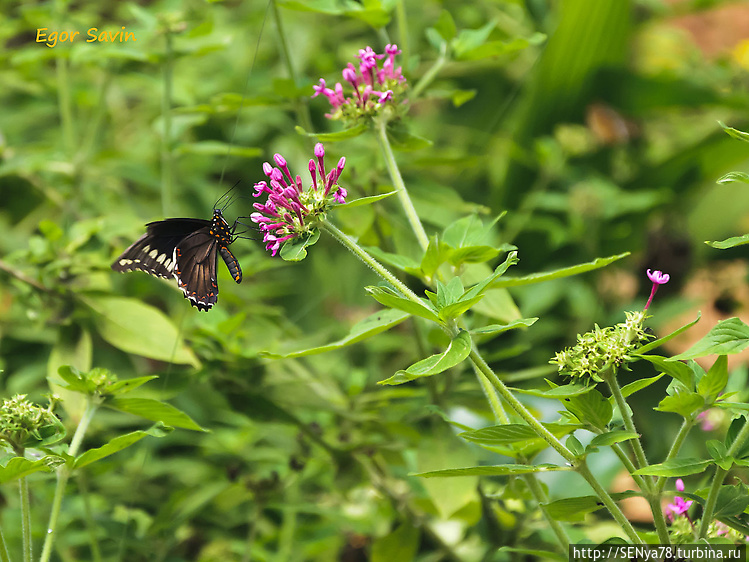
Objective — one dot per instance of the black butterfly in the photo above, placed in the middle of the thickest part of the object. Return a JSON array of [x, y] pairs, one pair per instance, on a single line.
[[186, 249]]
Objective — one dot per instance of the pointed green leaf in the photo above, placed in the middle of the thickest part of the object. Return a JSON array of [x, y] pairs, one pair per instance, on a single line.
[[154, 410], [715, 380], [676, 370], [631, 388], [684, 402], [482, 286], [497, 470], [575, 509], [730, 242], [726, 337], [470, 39], [732, 500], [372, 325], [735, 133], [612, 437], [558, 273], [574, 445], [453, 311], [436, 254], [118, 444], [458, 350], [123, 387], [387, 297], [296, 248], [731, 177], [653, 344], [474, 254], [557, 392], [364, 200], [445, 26], [590, 408], [500, 328], [19, 467], [676, 467], [346, 134], [512, 433], [136, 327]]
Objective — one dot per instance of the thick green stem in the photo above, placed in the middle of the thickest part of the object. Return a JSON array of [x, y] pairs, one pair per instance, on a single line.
[[23, 488], [63, 474], [166, 141], [400, 187], [720, 474]]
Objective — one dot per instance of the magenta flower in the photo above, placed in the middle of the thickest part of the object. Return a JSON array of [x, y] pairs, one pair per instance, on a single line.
[[680, 505], [373, 87], [658, 278], [291, 210]]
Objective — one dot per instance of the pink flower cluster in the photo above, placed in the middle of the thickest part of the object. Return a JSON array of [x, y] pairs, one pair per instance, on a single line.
[[291, 210], [373, 86], [680, 505]]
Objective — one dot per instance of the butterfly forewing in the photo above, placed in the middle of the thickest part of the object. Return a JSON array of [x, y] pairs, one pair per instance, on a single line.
[[186, 249]]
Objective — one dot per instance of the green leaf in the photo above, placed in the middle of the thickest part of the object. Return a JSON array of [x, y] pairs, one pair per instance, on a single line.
[[731, 177], [453, 311], [365, 200], [497, 470], [296, 248], [401, 544], [714, 381], [653, 344], [346, 134], [684, 402], [574, 445], [371, 326], [575, 509], [388, 297], [466, 231], [631, 388], [730, 242], [445, 26], [557, 392], [481, 287], [136, 327], [19, 467], [732, 500], [500, 328], [118, 444], [676, 467], [404, 263], [74, 380], [123, 387], [725, 338], [719, 454], [470, 39], [612, 437], [558, 273], [154, 410], [590, 408], [498, 48], [512, 433], [735, 133], [458, 350], [436, 254], [674, 369], [473, 254]]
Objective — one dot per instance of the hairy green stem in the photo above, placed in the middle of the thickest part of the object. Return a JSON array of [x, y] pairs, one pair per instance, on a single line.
[[23, 488], [63, 474], [720, 474], [400, 187], [491, 376], [166, 141]]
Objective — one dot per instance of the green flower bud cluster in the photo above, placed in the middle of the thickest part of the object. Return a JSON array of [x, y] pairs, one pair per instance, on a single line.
[[23, 424], [601, 348]]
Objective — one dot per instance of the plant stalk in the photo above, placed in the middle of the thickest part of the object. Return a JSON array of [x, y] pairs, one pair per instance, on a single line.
[[23, 488]]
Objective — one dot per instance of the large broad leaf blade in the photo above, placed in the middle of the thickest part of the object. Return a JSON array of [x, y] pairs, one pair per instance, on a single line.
[[136, 327], [725, 338], [118, 444]]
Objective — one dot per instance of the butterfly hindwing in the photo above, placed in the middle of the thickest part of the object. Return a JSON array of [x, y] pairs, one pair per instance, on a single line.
[[186, 249]]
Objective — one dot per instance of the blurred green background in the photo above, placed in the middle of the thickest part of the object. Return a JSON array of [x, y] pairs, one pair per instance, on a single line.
[[593, 124]]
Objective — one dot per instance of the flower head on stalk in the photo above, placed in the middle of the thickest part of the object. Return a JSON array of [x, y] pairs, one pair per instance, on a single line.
[[291, 210], [658, 278], [680, 505], [374, 88]]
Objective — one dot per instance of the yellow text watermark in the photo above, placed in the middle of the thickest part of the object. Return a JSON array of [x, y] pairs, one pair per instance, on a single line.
[[93, 35]]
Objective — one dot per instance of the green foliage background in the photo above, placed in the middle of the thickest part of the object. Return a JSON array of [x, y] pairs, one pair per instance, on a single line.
[[307, 458]]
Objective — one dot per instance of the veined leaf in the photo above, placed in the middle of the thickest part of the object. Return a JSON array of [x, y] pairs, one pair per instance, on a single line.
[[365, 200], [154, 410], [296, 248], [370, 326], [499, 328], [558, 273], [19, 467], [118, 444], [458, 350], [676, 467], [726, 337], [497, 470], [386, 296]]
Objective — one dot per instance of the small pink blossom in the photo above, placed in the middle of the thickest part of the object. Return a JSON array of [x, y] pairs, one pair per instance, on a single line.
[[680, 505], [658, 278]]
